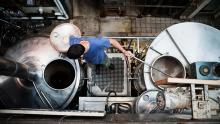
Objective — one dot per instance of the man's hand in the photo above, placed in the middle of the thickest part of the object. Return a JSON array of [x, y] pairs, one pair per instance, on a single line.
[[128, 54]]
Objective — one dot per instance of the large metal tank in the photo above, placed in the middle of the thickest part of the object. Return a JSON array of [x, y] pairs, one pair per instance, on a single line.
[[179, 46], [54, 84], [172, 52]]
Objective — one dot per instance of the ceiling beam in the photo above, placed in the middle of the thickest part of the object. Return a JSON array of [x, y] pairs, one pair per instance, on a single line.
[[217, 14], [194, 8], [160, 2]]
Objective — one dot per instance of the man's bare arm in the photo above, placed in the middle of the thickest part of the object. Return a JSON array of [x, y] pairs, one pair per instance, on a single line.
[[117, 45]]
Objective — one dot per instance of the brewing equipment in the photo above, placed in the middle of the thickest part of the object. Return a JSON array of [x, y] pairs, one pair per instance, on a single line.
[[50, 80], [55, 80], [185, 43], [172, 101], [171, 53]]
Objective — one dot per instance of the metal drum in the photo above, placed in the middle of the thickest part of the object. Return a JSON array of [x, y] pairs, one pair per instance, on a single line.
[[187, 43], [56, 78], [139, 78]]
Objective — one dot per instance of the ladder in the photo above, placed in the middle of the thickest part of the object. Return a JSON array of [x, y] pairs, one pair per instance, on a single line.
[[200, 101]]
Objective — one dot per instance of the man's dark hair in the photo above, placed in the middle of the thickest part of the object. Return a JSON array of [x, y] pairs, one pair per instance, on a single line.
[[75, 51]]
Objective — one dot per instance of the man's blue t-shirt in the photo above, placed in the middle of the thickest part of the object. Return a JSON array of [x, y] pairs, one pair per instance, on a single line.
[[95, 53]]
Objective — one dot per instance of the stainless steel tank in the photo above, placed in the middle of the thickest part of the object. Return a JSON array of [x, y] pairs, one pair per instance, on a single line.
[[185, 43], [55, 82]]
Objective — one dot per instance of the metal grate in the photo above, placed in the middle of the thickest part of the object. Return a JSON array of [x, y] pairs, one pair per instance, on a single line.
[[110, 80]]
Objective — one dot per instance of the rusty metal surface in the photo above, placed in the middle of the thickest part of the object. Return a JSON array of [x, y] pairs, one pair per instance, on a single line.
[[169, 65]]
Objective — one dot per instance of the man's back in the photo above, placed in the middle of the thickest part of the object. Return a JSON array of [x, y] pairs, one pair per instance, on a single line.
[[95, 53]]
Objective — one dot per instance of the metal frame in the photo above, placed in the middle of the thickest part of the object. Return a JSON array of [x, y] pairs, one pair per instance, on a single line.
[[98, 103], [52, 112], [61, 14], [200, 102], [137, 38], [95, 89]]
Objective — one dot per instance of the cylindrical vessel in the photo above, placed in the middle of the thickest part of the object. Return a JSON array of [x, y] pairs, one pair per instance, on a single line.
[[189, 42], [139, 83], [56, 81], [171, 101]]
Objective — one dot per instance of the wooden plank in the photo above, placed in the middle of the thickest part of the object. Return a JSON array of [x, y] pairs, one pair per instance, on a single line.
[[172, 81], [162, 82]]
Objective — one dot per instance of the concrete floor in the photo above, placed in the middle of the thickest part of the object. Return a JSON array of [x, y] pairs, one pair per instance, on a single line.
[[111, 118]]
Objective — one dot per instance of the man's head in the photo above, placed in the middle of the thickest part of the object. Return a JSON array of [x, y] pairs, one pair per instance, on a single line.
[[75, 51]]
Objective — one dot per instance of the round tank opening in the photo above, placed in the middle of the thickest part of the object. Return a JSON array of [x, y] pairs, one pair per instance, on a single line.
[[217, 70], [59, 74], [169, 65]]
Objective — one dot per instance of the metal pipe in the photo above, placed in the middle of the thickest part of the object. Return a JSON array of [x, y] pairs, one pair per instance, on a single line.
[[138, 45], [61, 9], [10, 23], [146, 37], [15, 69], [151, 6], [107, 100], [199, 7], [44, 96]]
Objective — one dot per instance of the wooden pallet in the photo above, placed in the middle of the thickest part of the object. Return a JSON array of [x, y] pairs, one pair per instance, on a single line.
[[181, 81]]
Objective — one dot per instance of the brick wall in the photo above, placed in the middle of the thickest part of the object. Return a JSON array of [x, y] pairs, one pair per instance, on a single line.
[[145, 26], [152, 26]]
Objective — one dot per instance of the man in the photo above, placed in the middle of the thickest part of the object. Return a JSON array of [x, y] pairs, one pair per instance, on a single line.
[[91, 48]]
